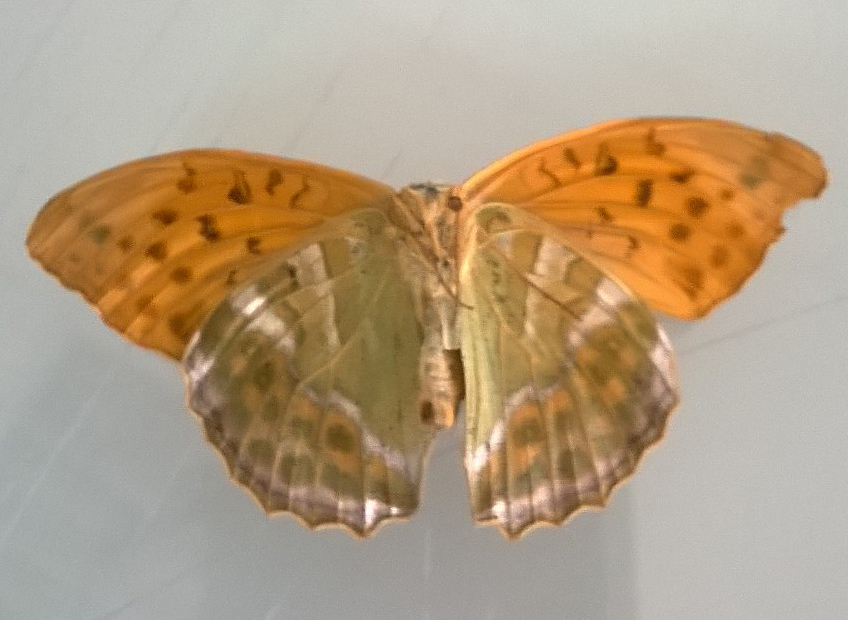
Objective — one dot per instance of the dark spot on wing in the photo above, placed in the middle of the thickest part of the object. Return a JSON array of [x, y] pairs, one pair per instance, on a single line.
[[605, 215], [240, 192], [157, 251], [263, 375], [165, 216], [735, 230], [652, 146], [144, 305], [605, 163], [426, 413], [126, 243], [85, 220], [644, 192], [179, 326], [252, 245], [571, 157], [339, 438], [299, 194], [693, 278], [681, 177], [188, 183], [679, 232], [208, 228], [528, 432], [99, 233], [275, 178], [181, 275], [543, 169], [719, 256], [696, 206]]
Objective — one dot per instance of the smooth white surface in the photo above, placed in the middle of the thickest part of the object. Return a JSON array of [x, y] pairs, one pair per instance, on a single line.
[[111, 504]]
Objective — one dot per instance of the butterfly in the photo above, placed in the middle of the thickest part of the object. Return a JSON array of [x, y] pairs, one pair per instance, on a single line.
[[329, 326]]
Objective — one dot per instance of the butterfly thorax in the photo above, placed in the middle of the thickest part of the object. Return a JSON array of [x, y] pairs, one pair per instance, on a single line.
[[426, 217]]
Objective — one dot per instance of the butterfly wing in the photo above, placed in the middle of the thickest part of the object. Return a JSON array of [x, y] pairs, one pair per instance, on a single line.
[[568, 377], [155, 244], [682, 210], [306, 380]]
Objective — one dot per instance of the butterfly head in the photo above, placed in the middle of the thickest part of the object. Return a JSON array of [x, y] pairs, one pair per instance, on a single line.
[[429, 212]]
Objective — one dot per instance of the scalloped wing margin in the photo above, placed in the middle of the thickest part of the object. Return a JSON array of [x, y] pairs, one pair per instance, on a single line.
[[568, 377], [306, 380]]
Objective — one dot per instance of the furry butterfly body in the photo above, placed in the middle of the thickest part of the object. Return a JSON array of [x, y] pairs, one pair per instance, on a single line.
[[329, 326]]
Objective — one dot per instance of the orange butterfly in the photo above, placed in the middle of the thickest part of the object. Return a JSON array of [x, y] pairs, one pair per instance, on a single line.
[[328, 326]]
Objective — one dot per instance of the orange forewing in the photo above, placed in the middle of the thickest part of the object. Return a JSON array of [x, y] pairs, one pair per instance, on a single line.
[[155, 244], [681, 210]]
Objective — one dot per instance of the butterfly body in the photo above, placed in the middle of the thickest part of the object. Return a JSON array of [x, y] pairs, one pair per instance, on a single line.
[[328, 326], [426, 218]]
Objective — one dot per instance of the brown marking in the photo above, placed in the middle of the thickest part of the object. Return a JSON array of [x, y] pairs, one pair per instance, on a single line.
[[644, 192], [188, 183], [181, 275], [455, 203], [693, 277], [231, 278], [339, 438], [157, 251], [275, 178], [208, 228], [727, 194], [74, 258], [99, 233], [756, 173], [735, 229], [543, 169], [495, 222], [682, 177], [144, 306], [679, 232], [252, 245], [85, 220], [165, 216], [719, 257], [605, 215], [633, 245], [126, 243], [179, 326], [427, 414], [696, 206], [299, 194], [604, 162], [750, 180], [240, 192], [652, 146], [571, 157], [263, 376]]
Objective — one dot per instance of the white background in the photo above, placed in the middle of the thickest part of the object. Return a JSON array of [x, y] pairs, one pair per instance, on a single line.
[[113, 507]]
